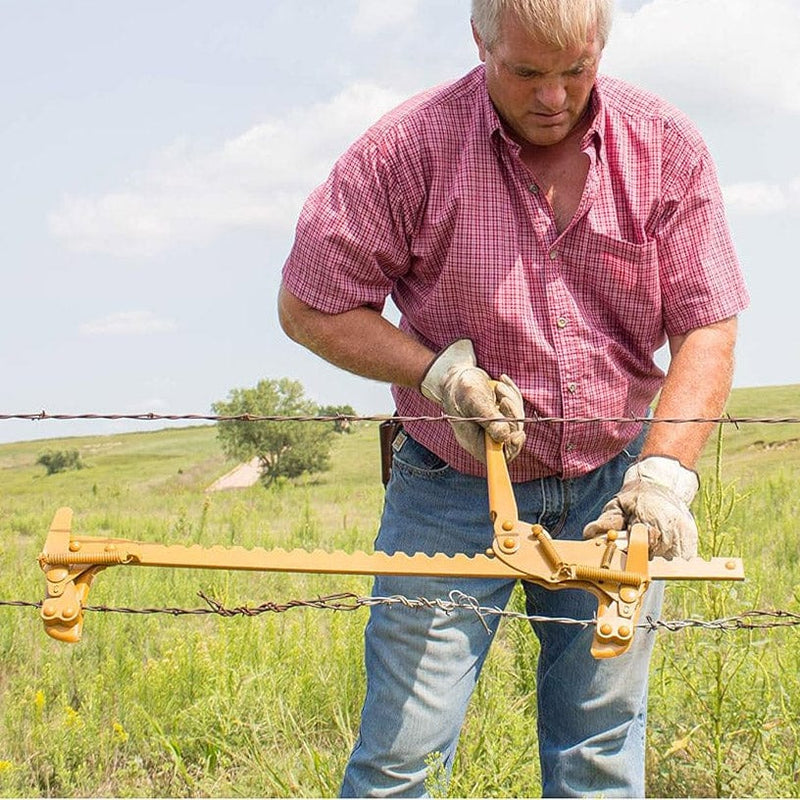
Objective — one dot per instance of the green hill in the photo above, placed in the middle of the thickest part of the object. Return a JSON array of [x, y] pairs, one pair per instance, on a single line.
[[750, 449]]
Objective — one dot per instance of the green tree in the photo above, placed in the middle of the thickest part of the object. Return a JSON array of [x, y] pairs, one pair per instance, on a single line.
[[60, 460], [285, 448]]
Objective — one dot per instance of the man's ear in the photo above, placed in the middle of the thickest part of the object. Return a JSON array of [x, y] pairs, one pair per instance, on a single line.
[[478, 42]]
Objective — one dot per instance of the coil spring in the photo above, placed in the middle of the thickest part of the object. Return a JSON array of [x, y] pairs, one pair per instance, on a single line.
[[600, 575], [104, 558]]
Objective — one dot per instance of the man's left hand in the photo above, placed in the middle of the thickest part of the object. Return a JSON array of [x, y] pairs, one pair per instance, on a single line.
[[657, 492]]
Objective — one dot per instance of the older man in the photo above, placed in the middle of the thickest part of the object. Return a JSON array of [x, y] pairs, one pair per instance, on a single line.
[[540, 224]]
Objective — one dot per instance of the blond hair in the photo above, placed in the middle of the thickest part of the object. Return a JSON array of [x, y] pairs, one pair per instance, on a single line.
[[560, 23]]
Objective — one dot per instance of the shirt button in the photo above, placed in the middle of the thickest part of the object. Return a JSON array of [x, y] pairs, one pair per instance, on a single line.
[[572, 388], [553, 255], [561, 322], [533, 189]]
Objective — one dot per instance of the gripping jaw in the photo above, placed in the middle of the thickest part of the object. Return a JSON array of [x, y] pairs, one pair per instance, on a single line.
[[618, 579], [67, 582]]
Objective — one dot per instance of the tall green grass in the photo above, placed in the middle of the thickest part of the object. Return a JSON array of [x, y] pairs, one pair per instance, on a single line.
[[155, 705]]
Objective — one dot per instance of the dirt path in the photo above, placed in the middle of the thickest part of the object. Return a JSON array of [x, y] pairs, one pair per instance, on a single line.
[[238, 478]]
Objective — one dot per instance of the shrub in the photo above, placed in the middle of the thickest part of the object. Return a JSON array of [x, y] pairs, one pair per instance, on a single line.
[[60, 461]]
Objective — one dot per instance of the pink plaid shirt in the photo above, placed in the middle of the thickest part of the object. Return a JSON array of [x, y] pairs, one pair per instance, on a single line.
[[434, 206]]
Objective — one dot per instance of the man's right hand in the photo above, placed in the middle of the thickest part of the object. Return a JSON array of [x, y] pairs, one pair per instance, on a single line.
[[463, 389]]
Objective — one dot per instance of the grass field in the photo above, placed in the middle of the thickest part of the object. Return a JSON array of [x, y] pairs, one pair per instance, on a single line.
[[159, 705]]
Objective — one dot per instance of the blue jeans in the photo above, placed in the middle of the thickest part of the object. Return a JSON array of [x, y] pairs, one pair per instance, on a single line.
[[422, 664]]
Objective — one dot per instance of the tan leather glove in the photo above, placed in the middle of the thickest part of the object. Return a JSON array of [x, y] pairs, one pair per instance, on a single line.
[[463, 389], [658, 492]]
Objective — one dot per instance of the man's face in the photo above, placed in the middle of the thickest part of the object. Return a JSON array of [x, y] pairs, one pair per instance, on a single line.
[[540, 92]]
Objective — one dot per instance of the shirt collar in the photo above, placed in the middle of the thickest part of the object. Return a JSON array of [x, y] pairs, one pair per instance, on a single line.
[[595, 135], [597, 129]]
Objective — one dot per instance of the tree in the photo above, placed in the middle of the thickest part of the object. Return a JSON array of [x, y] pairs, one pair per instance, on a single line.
[[60, 460], [283, 448]]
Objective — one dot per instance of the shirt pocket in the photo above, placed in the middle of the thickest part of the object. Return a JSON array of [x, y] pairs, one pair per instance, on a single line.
[[616, 283]]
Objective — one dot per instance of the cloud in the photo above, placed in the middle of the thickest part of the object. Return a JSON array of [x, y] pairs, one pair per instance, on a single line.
[[258, 179], [739, 56], [373, 16], [128, 323], [760, 198]]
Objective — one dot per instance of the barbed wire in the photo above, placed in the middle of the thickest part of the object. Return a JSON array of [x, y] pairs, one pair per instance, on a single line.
[[458, 601], [151, 416]]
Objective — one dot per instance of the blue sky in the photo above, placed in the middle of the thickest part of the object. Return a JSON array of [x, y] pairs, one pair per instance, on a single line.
[[156, 155]]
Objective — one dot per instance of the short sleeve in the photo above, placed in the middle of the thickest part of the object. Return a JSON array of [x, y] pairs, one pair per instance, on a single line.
[[352, 237], [700, 275]]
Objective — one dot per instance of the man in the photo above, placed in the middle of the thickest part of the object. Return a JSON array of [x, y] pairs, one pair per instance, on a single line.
[[540, 224]]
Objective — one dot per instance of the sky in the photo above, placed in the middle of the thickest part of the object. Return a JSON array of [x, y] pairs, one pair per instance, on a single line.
[[156, 154]]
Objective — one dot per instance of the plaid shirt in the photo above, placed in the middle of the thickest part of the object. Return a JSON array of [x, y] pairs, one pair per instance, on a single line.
[[434, 206]]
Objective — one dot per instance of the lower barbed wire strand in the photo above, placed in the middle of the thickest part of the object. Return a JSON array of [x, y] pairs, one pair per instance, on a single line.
[[457, 601]]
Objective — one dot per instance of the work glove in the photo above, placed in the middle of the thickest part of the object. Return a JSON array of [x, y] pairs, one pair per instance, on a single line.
[[657, 492], [463, 389]]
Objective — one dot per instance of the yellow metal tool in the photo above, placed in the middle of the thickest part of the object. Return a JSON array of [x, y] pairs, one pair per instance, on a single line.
[[618, 576]]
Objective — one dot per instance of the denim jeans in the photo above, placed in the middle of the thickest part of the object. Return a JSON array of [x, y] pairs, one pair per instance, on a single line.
[[422, 664]]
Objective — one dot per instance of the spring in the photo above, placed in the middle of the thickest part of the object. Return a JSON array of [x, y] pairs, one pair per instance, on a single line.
[[70, 559], [600, 575]]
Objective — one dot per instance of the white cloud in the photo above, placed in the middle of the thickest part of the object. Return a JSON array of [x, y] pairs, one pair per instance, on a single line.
[[739, 56], [256, 180], [760, 198], [128, 323], [373, 16]]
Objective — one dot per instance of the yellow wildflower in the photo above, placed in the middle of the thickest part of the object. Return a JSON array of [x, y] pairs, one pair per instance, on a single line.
[[119, 733]]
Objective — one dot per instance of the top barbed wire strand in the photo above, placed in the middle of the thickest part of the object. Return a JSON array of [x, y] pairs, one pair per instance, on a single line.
[[151, 416]]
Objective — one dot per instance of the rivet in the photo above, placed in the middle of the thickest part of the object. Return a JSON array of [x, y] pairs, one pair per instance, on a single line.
[[57, 574], [628, 594], [730, 565], [509, 543], [624, 631], [606, 629], [74, 546], [508, 525], [612, 536], [537, 530]]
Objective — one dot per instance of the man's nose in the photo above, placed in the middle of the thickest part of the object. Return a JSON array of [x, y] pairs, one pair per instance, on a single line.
[[552, 96]]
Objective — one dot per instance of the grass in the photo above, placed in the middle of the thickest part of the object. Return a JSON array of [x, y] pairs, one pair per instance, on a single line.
[[154, 705]]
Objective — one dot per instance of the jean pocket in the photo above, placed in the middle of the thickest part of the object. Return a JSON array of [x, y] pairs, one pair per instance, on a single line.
[[414, 458]]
